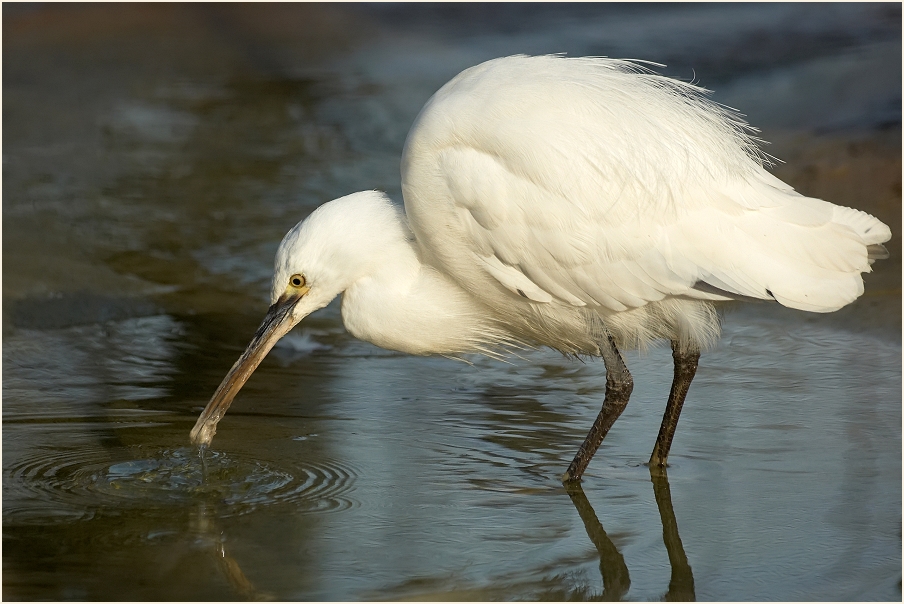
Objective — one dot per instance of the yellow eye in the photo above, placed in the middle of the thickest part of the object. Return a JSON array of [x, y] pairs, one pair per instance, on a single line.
[[297, 281]]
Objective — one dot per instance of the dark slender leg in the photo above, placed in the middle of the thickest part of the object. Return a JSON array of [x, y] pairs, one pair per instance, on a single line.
[[681, 585], [618, 389], [685, 368], [616, 579]]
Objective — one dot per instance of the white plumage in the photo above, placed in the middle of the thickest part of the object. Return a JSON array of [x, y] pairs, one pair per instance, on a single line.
[[591, 183], [584, 204]]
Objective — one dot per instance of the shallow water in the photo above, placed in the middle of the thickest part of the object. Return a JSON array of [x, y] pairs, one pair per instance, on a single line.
[[153, 162]]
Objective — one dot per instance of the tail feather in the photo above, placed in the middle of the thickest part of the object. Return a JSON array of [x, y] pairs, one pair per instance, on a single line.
[[870, 229], [803, 252]]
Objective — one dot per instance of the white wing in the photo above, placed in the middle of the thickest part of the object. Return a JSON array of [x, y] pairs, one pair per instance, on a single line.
[[588, 182]]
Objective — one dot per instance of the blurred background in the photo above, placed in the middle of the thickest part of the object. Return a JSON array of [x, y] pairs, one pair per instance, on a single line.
[[155, 154]]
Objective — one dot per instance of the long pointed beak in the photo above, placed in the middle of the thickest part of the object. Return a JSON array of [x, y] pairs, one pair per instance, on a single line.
[[277, 323]]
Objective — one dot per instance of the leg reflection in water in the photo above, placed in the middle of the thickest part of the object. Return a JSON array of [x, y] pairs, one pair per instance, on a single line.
[[616, 580], [613, 569], [681, 585]]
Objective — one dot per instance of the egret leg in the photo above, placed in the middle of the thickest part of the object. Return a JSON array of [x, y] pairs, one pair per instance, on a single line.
[[685, 368], [619, 385]]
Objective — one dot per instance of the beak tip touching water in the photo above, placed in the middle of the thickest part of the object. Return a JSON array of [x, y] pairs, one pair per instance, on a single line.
[[202, 434], [276, 324]]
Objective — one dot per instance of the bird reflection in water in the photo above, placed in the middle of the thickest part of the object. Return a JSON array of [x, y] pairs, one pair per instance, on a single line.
[[614, 571], [209, 535], [616, 579]]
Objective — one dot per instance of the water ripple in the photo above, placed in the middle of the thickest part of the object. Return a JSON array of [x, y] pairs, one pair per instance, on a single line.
[[176, 478]]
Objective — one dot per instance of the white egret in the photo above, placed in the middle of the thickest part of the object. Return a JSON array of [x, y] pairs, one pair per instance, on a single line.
[[585, 204]]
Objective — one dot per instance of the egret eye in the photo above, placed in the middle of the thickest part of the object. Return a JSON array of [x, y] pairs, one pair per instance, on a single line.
[[297, 280]]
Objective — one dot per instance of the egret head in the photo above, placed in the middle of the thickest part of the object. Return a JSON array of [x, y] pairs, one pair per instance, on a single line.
[[318, 259]]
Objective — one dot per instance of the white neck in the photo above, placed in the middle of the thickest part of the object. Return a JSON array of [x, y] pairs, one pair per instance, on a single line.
[[411, 307], [360, 246]]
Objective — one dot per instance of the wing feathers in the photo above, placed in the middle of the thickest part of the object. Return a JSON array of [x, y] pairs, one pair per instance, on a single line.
[[514, 280], [584, 182], [755, 241]]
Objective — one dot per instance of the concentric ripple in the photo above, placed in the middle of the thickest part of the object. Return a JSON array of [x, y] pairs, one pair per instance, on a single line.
[[174, 477]]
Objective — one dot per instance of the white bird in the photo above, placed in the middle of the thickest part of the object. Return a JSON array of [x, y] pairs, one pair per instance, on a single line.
[[585, 204]]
